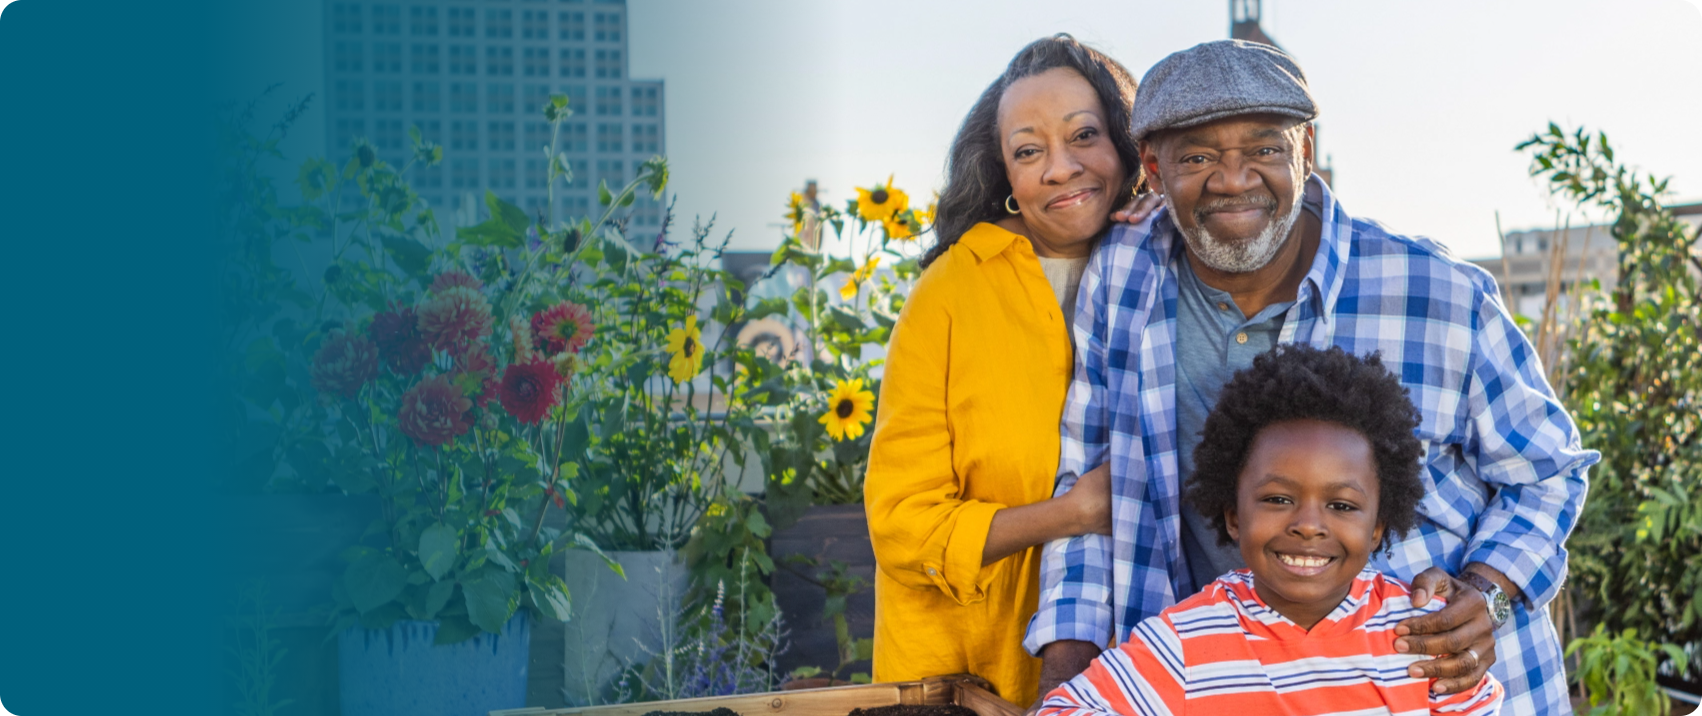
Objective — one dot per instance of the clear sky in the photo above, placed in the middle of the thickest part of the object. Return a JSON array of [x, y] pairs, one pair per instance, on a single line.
[[1421, 103]]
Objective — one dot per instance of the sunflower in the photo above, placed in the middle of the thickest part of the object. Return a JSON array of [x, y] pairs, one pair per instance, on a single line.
[[849, 408], [849, 290], [685, 346], [795, 213], [902, 226], [881, 202]]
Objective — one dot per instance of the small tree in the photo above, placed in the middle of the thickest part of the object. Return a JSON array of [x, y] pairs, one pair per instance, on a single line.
[[1633, 381]]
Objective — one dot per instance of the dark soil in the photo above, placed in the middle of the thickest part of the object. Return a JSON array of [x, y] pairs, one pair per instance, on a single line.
[[914, 710], [723, 711]]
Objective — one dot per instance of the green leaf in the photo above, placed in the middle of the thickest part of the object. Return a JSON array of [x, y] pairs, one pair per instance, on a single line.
[[585, 543], [512, 216], [410, 255], [577, 435], [490, 233], [603, 195], [439, 546], [491, 599], [454, 630], [438, 596], [374, 581]]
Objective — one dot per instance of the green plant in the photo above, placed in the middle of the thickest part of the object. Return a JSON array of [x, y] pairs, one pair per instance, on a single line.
[[1618, 672], [839, 585], [256, 654], [1632, 378]]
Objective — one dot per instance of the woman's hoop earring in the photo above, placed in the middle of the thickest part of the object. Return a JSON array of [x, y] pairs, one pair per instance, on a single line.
[[1013, 211]]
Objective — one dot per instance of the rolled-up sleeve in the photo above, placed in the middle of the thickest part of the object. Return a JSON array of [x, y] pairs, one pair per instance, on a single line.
[[1525, 447], [1075, 573], [925, 536]]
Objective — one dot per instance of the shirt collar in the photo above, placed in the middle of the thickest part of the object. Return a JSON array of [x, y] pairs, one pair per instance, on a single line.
[[987, 240]]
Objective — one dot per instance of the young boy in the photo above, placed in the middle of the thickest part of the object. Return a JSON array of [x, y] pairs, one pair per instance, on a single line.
[[1308, 462]]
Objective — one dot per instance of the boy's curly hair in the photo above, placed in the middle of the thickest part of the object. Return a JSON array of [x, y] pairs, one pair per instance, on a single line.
[[1298, 382]]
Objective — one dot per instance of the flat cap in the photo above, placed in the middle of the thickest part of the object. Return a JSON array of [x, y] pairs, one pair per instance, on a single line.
[[1213, 80]]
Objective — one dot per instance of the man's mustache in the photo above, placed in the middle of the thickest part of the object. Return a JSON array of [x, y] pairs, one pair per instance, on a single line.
[[1236, 203]]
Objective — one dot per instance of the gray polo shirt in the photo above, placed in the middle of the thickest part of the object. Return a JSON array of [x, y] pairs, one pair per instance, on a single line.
[[1213, 340]]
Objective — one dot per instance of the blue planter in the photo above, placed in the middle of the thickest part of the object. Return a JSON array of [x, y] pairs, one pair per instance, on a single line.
[[399, 672]]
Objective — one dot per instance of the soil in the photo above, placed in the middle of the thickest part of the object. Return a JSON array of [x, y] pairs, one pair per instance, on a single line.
[[914, 710], [723, 711]]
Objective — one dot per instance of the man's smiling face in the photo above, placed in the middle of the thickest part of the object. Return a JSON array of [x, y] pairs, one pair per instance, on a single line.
[[1233, 186]]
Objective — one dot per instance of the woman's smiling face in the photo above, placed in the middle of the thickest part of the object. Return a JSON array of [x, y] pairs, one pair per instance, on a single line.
[[1306, 515], [1062, 166]]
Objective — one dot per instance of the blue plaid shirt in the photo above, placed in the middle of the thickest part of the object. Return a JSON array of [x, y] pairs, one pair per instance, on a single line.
[[1504, 473]]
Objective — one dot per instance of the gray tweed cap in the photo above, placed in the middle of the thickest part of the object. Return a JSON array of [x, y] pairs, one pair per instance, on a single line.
[[1213, 80]]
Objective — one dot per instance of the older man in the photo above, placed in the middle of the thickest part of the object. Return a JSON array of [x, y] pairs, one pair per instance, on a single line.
[[1252, 250]]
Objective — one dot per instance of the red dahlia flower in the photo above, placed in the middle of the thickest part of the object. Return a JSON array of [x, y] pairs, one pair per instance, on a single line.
[[456, 318], [454, 278], [343, 364], [397, 333], [475, 373], [434, 411], [530, 389], [563, 327]]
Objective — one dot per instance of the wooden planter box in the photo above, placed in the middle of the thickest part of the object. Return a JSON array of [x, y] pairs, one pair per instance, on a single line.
[[963, 690]]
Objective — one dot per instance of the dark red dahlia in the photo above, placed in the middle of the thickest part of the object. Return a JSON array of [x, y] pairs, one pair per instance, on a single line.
[[530, 389], [400, 343], [343, 364], [434, 411], [563, 327], [475, 373], [455, 318], [454, 278]]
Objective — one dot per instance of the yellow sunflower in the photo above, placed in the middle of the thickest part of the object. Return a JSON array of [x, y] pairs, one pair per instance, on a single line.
[[881, 202], [795, 213], [925, 217], [849, 290], [685, 346], [849, 408], [901, 227]]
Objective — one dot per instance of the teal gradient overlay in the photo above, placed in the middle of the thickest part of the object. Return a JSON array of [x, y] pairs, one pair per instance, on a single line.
[[107, 543]]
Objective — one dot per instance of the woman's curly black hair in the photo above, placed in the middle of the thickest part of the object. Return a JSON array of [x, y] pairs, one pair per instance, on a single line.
[[1298, 382]]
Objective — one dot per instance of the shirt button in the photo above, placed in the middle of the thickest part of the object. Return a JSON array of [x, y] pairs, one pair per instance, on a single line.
[[1221, 306], [932, 571], [1241, 337]]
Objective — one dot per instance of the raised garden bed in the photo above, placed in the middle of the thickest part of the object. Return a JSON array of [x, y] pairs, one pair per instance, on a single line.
[[962, 690]]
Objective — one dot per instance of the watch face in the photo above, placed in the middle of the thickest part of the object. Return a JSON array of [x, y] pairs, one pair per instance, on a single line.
[[1500, 607]]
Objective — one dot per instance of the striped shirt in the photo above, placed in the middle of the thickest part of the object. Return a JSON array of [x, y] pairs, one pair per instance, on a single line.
[[1504, 472], [1223, 651]]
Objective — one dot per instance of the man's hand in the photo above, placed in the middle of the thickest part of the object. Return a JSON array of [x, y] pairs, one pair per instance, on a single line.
[[1138, 209], [1461, 633], [1060, 661]]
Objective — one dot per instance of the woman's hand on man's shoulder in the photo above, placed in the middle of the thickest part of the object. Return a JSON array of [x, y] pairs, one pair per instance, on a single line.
[[1139, 208]]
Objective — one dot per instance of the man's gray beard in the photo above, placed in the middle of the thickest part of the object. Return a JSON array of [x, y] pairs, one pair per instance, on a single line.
[[1237, 256]]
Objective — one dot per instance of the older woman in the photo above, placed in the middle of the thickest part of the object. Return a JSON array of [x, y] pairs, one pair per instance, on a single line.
[[965, 448]]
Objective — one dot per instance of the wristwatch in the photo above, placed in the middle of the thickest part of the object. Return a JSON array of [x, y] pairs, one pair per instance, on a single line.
[[1500, 605]]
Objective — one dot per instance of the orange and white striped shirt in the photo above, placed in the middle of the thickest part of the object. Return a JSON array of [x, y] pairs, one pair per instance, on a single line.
[[1223, 651]]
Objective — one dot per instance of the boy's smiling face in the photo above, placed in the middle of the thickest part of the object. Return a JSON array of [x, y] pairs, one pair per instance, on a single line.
[[1306, 515]]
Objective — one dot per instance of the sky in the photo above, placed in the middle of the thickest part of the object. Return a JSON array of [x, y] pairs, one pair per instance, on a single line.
[[1420, 103]]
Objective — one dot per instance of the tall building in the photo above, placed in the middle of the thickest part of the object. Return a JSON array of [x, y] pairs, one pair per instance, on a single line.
[[1244, 18], [473, 76]]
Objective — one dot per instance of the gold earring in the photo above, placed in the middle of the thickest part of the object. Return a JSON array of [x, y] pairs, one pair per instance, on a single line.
[[1013, 211]]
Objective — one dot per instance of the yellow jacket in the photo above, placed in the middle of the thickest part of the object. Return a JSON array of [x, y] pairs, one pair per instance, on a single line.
[[968, 424]]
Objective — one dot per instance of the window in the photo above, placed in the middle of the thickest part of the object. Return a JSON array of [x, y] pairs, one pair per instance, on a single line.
[[464, 136], [609, 64], [535, 25], [536, 97], [499, 24], [611, 172], [464, 174], [572, 25], [387, 57], [499, 61], [345, 18], [537, 135], [501, 173], [609, 138], [646, 139], [428, 178], [346, 56], [350, 95], [535, 203], [428, 97], [535, 61], [388, 139], [422, 21], [386, 19], [608, 101], [573, 138], [462, 61], [646, 101], [463, 97], [424, 59], [500, 136], [581, 178], [387, 95], [575, 206], [607, 26], [461, 22], [572, 62], [537, 173], [348, 130], [430, 131], [576, 99], [499, 98]]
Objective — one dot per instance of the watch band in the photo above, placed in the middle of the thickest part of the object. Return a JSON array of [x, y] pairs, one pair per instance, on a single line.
[[1495, 599]]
